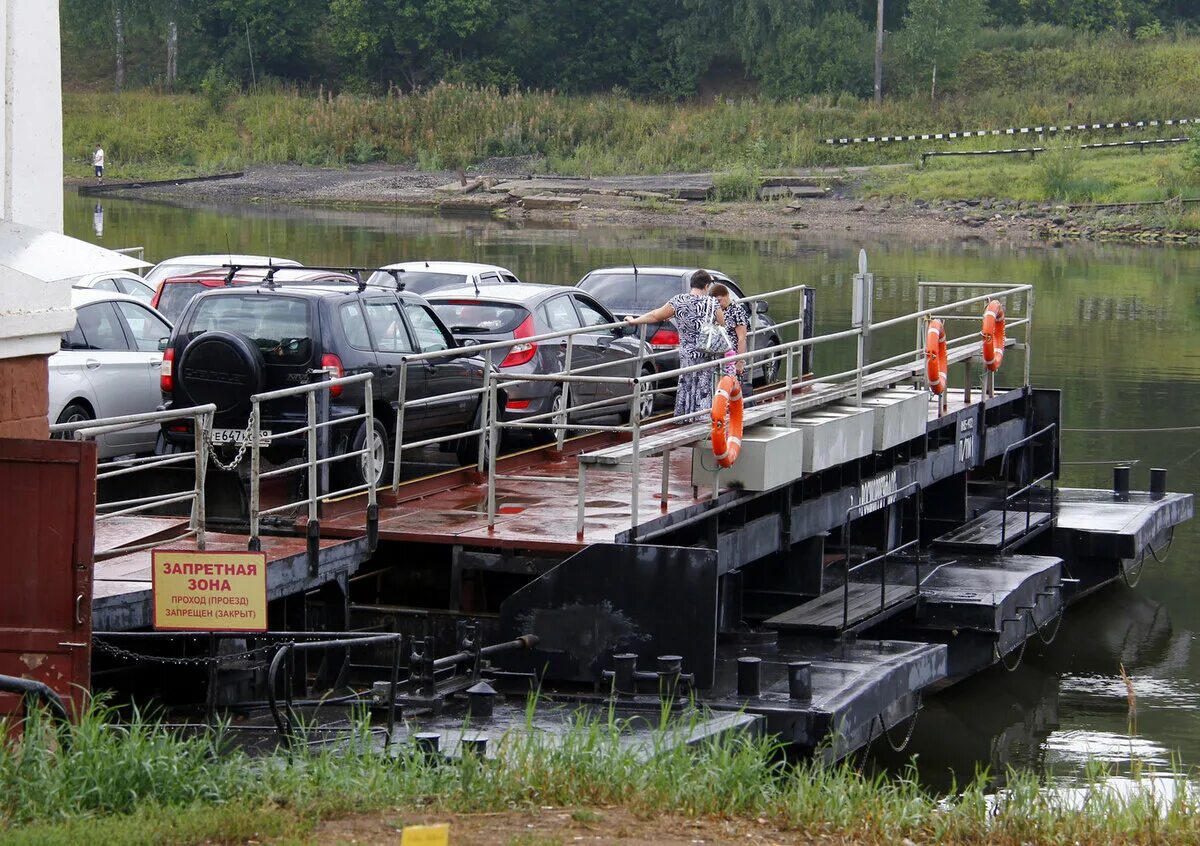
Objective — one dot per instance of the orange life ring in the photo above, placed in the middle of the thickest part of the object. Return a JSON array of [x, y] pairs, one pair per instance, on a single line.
[[993, 335], [727, 421], [935, 356]]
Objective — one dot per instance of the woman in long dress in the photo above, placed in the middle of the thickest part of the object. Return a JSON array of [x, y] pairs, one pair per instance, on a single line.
[[737, 326], [689, 312]]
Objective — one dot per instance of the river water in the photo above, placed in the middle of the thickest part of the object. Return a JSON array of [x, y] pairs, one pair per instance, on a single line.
[[1115, 329]]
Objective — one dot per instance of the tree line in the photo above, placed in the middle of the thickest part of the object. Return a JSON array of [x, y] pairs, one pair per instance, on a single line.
[[675, 48]]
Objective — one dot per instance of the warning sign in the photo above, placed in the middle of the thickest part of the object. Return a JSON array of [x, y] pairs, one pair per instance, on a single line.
[[214, 590]]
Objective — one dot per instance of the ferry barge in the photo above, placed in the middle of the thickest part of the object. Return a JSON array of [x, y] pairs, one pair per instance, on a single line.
[[885, 531]]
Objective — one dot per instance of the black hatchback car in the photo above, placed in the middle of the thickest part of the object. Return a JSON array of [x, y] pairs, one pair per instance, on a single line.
[[631, 290], [231, 343]]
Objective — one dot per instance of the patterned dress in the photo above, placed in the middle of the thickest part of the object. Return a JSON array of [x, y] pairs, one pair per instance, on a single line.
[[695, 390], [735, 316]]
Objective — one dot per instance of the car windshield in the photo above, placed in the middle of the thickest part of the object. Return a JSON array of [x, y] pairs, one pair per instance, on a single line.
[[630, 292], [419, 281], [175, 296], [471, 317], [279, 326]]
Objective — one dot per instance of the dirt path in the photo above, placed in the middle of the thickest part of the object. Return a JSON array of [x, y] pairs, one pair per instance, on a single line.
[[554, 826], [504, 191]]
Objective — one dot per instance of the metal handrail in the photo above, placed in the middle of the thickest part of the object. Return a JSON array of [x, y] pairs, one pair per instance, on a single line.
[[317, 421], [201, 417], [1025, 443], [862, 509]]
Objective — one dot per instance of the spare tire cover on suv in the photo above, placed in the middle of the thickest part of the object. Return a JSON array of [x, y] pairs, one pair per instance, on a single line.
[[224, 368]]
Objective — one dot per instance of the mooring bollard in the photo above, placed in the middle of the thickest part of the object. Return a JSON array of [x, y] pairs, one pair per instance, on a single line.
[[800, 680], [1121, 474], [428, 742], [474, 746], [670, 667], [749, 676], [481, 701], [1158, 481], [625, 672]]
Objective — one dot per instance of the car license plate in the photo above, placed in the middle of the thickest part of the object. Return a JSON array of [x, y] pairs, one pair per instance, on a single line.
[[238, 436]]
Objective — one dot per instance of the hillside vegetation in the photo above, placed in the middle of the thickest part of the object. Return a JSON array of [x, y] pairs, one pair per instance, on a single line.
[[447, 126]]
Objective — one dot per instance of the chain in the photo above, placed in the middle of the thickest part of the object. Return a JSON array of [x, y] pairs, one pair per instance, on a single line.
[[199, 661], [912, 725], [243, 445]]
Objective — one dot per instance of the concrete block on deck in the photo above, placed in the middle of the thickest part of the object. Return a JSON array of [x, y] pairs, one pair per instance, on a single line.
[[770, 457], [900, 415], [834, 435]]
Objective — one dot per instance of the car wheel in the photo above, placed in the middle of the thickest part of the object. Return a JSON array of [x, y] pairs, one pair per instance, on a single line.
[[353, 471], [73, 413], [466, 450], [645, 402], [771, 368]]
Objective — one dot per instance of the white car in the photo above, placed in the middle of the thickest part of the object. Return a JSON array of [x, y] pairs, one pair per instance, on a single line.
[[118, 282], [183, 265], [420, 277], [109, 366]]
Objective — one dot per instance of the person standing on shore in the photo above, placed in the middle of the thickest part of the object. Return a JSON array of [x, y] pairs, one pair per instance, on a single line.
[[689, 312], [98, 163]]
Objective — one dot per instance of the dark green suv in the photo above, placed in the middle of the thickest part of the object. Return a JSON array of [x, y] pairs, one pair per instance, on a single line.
[[231, 343]]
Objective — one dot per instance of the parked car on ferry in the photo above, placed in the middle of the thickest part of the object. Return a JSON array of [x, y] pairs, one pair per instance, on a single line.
[[108, 366], [421, 277], [233, 342], [120, 282], [632, 291], [183, 265], [175, 291], [521, 311]]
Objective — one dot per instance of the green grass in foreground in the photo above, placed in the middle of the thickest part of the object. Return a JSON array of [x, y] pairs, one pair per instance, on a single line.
[[135, 782]]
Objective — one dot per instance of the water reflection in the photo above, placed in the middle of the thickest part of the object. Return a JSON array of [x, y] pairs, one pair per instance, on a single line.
[[1115, 329]]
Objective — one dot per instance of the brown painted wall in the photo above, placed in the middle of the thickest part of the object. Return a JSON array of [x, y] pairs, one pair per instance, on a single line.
[[24, 397]]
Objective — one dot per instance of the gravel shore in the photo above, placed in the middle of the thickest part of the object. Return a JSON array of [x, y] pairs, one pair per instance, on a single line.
[[508, 189]]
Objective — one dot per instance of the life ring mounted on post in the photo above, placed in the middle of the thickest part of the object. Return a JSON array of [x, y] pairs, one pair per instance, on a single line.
[[727, 421], [993, 335], [935, 356]]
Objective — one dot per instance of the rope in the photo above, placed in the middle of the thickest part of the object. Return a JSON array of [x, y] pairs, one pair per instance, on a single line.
[[1057, 626], [1020, 655], [912, 725], [1166, 549], [1138, 429]]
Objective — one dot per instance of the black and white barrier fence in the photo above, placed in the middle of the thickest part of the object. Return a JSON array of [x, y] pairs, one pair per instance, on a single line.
[[1024, 130], [1033, 151]]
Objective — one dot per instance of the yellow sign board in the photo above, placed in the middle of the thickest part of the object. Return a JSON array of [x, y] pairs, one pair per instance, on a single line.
[[213, 590], [425, 835]]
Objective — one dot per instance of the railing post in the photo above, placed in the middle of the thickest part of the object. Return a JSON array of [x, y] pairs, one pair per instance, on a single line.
[[255, 544], [201, 427], [313, 530], [488, 415], [398, 451], [921, 323], [372, 470], [560, 434], [788, 376], [1028, 333], [491, 488], [635, 424]]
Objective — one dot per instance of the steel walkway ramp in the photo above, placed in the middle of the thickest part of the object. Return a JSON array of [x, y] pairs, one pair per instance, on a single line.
[[845, 609], [993, 530]]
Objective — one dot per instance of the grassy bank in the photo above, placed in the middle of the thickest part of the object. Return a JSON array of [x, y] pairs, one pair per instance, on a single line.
[[138, 783]]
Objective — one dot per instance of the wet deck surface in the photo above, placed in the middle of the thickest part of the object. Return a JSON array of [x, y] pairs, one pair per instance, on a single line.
[[1102, 523], [993, 529], [530, 515], [115, 533], [836, 611]]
